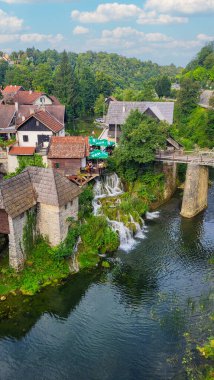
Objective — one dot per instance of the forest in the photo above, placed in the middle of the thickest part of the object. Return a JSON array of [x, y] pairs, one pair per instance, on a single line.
[[82, 82]]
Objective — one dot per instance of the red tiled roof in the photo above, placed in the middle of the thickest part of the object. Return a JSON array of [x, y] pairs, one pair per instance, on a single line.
[[11, 89], [46, 119], [29, 97], [57, 111], [68, 147], [22, 151], [6, 115]]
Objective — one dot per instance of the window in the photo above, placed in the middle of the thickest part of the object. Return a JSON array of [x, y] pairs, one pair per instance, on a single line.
[[25, 138], [37, 123], [57, 165]]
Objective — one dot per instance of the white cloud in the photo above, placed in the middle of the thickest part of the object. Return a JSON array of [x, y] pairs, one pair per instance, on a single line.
[[205, 37], [152, 18], [184, 6], [114, 11], [107, 12], [80, 30], [31, 37], [9, 23], [128, 32]]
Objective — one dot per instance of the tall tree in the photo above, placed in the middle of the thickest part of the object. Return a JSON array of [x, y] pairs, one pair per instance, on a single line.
[[163, 86], [188, 97]]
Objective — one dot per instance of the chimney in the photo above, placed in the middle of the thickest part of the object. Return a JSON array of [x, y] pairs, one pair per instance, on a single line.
[[30, 92], [124, 108], [23, 118], [31, 111], [16, 106]]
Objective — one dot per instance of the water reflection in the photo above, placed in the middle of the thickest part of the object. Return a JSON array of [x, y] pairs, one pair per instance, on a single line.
[[19, 314]]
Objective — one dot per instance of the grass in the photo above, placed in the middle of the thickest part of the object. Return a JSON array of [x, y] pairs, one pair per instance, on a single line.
[[42, 268]]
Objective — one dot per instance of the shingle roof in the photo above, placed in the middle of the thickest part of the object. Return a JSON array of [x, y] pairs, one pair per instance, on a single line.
[[68, 147], [20, 193], [22, 151], [47, 119], [7, 113], [52, 188], [27, 97], [118, 111]]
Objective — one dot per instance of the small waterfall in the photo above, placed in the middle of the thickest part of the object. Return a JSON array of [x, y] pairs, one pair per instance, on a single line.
[[127, 241], [152, 215], [110, 187], [139, 232]]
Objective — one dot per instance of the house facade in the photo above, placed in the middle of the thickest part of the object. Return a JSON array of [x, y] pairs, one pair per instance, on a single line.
[[68, 154], [37, 130], [118, 113]]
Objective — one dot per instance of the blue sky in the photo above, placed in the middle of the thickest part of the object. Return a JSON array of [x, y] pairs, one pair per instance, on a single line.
[[164, 31]]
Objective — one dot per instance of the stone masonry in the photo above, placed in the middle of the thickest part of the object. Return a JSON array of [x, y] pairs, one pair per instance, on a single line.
[[195, 190]]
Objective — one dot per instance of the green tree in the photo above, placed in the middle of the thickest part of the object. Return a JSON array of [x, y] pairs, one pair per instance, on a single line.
[[104, 83], [43, 78], [163, 86], [141, 137], [188, 97], [100, 107]]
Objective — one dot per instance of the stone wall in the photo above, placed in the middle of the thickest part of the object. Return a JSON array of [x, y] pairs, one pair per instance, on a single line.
[[51, 220], [170, 172], [70, 210], [16, 249], [48, 222], [195, 190]]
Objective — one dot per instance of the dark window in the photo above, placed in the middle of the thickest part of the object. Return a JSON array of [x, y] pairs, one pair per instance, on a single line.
[[57, 165], [25, 138]]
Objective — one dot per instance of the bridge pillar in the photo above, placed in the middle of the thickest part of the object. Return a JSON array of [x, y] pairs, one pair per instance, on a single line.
[[195, 190], [170, 172]]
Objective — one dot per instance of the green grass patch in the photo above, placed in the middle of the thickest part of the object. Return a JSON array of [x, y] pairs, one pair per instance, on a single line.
[[41, 268]]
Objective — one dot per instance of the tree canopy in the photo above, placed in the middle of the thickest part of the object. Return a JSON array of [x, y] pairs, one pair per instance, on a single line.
[[141, 137]]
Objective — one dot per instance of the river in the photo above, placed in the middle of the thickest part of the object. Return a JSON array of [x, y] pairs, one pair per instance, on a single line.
[[124, 323]]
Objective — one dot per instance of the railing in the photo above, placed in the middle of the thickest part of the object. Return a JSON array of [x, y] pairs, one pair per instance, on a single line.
[[201, 157]]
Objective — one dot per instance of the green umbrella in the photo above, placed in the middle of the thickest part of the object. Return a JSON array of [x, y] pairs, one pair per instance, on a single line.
[[98, 155], [101, 142]]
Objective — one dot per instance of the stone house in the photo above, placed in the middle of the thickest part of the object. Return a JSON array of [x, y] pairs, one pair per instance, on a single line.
[[119, 111], [68, 154], [44, 192]]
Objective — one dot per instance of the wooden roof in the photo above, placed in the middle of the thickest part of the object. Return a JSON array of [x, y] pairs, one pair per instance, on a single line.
[[119, 111], [20, 193]]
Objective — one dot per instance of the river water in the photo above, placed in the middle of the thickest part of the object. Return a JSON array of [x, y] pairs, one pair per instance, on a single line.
[[124, 323]]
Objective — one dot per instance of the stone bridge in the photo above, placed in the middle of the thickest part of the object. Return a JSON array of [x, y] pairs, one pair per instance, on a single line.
[[197, 177]]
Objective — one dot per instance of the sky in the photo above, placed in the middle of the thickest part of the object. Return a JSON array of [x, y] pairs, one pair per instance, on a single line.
[[164, 31]]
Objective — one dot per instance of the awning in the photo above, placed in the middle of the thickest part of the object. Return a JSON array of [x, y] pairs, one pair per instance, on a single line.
[[102, 142], [98, 154]]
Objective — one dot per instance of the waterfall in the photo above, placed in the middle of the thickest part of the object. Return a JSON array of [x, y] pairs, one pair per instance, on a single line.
[[152, 215], [127, 241], [110, 187], [139, 232]]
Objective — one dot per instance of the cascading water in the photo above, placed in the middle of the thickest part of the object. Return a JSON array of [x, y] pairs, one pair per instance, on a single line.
[[112, 187], [152, 215], [139, 231]]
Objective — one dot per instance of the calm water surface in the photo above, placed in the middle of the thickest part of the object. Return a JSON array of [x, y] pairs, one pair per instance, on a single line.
[[125, 323]]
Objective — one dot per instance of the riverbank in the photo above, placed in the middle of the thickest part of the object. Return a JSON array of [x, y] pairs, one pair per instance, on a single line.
[[97, 236], [143, 307]]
